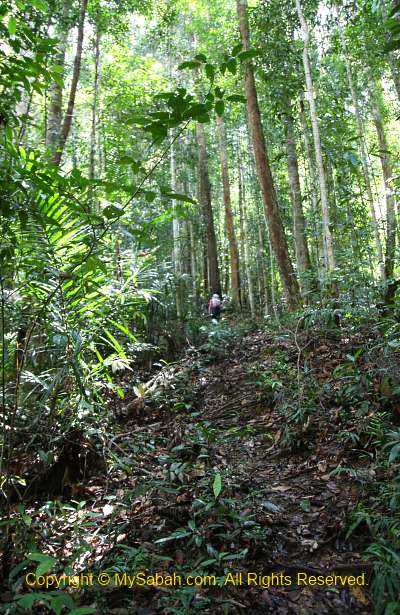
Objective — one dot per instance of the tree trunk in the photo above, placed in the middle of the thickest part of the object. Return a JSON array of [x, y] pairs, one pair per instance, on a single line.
[[299, 226], [390, 247], [230, 228], [193, 265], [56, 89], [277, 233], [92, 155], [245, 237], [326, 231], [66, 127], [176, 246], [312, 188], [364, 159], [205, 200]]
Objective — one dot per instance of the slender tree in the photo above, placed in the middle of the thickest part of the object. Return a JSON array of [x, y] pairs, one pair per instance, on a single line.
[[208, 216], [326, 224], [299, 225], [387, 172], [245, 234], [66, 126], [230, 227], [55, 94], [93, 131], [277, 233]]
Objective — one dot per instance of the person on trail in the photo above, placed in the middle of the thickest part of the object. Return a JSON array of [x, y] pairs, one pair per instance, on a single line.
[[214, 306]]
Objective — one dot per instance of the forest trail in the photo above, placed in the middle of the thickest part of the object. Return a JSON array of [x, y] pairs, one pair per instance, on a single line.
[[280, 503]]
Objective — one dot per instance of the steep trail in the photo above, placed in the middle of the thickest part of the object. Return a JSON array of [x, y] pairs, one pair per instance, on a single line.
[[209, 473], [293, 509], [302, 506]]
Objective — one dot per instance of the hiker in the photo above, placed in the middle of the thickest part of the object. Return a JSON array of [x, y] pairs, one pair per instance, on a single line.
[[214, 306]]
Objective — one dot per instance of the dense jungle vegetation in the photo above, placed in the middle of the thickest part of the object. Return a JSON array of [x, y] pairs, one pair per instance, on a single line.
[[153, 154]]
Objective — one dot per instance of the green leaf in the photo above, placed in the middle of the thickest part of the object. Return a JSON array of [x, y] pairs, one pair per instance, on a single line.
[[219, 107], [236, 49], [39, 557], [195, 111], [27, 601], [203, 119], [126, 160], [237, 98], [248, 54], [56, 68], [12, 25], [201, 57], [140, 120], [217, 485], [114, 342], [45, 562], [219, 93], [176, 196], [123, 329], [232, 66], [189, 64], [149, 195], [40, 5], [62, 599], [111, 212], [305, 505], [27, 520], [210, 71], [177, 535], [93, 263]]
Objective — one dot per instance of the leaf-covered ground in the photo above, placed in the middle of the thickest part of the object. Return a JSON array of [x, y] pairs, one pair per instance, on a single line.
[[240, 458]]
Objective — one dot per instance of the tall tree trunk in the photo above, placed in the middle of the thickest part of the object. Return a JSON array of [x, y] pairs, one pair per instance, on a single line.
[[205, 200], [243, 276], [387, 173], [299, 226], [328, 243], [230, 228], [193, 263], [54, 117], [245, 235], [313, 190], [92, 155], [277, 233], [364, 159], [66, 127], [176, 247]]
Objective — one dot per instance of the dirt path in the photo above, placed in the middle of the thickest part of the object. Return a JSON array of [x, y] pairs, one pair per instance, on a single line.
[[301, 506], [279, 507], [203, 479]]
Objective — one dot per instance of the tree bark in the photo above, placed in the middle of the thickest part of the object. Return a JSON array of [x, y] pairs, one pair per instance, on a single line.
[[299, 225], [66, 127], [193, 264], [92, 155], [276, 230], [364, 159], [230, 227], [176, 246], [328, 243], [313, 190], [56, 89], [208, 217], [245, 236], [387, 173]]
